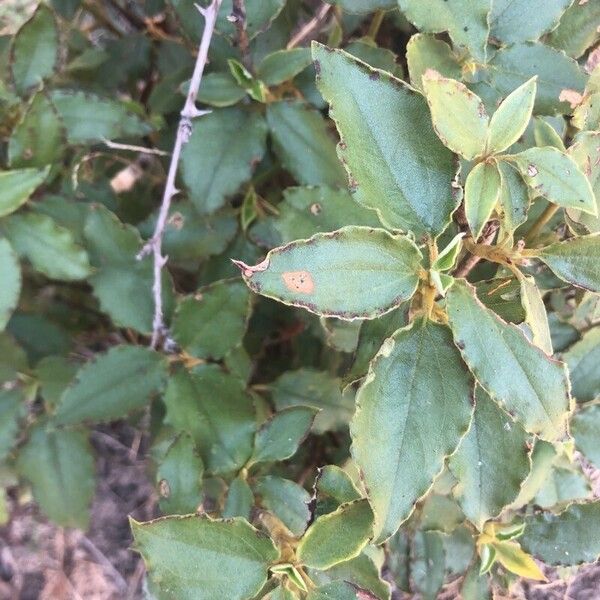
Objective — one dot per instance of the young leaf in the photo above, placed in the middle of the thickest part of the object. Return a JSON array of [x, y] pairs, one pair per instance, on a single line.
[[223, 149], [512, 558], [279, 437], [196, 557], [514, 198], [213, 320], [447, 257], [556, 177], [482, 190], [568, 538], [337, 536], [60, 467], [352, 273], [240, 500], [585, 427], [390, 420], [16, 187], [516, 374], [379, 119], [49, 247], [536, 316], [179, 477], [303, 144], [118, 382], [35, 50], [491, 462], [427, 52], [458, 115], [545, 135], [10, 276], [215, 409], [466, 21], [511, 118], [576, 260]]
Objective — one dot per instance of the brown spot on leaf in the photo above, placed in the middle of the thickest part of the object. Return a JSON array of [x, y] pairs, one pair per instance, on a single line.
[[317, 64], [164, 489], [315, 209], [532, 170], [573, 97], [374, 76], [299, 281]]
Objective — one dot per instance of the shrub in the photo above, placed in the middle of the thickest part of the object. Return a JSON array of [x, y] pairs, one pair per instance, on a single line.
[[397, 372]]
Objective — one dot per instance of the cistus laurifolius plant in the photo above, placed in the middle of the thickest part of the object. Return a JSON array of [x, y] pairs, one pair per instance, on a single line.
[[360, 367]]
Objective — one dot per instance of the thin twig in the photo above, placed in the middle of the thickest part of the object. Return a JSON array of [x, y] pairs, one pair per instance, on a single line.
[[309, 27], [470, 261], [541, 222], [141, 149], [238, 18], [184, 131]]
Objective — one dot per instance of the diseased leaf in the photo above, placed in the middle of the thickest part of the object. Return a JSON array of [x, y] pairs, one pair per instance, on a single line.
[[582, 359], [458, 115], [352, 273], [556, 177], [216, 411], [337, 536], [509, 121], [17, 186], [491, 462], [399, 446], [482, 191], [221, 154], [568, 538], [49, 247], [575, 260], [120, 381], [35, 50], [425, 52], [517, 375], [279, 437], [10, 278], [303, 143], [196, 557], [60, 467], [179, 477], [466, 21], [511, 557], [396, 163], [213, 320], [525, 20]]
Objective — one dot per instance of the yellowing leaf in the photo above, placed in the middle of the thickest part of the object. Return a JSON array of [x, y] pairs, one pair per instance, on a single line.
[[515, 560]]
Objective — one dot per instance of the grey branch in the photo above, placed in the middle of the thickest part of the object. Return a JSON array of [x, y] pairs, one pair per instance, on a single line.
[[184, 131]]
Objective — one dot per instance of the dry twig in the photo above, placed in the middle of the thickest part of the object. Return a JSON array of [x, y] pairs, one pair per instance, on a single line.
[[184, 131], [311, 26]]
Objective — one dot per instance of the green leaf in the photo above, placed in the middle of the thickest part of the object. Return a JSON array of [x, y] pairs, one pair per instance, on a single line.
[[511, 557], [16, 186], [60, 466], [518, 21], [536, 316], [364, 6], [49, 247], [578, 29], [254, 87], [556, 177], [303, 144], [259, 16], [337, 590], [466, 21], [352, 273], [12, 410], [35, 50], [215, 409], [213, 320], [380, 119], [39, 137], [366, 50], [514, 65], [491, 462], [120, 381], [287, 500], [221, 155], [279, 437], [482, 191], [428, 562], [337, 536], [514, 198], [562, 486], [447, 257], [569, 538], [519, 376], [281, 65], [305, 211], [196, 557], [545, 135], [509, 121], [582, 359], [179, 478], [390, 420], [585, 428], [89, 118], [54, 374], [458, 115], [10, 276], [281, 593], [335, 483], [240, 500], [425, 52], [308, 387], [575, 260], [220, 89]]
